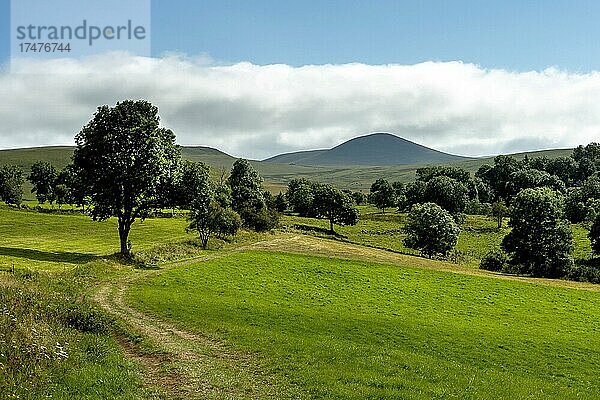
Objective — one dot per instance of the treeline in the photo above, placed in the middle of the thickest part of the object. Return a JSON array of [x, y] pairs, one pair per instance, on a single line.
[[540, 195]]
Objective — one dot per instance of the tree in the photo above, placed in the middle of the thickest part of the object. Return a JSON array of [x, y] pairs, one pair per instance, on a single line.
[[43, 178], [383, 194], [122, 156], [300, 196], [581, 202], [532, 178], [499, 211], [447, 193], [11, 184], [359, 198], [426, 174], [281, 203], [62, 194], [334, 205], [594, 235], [431, 230], [415, 193], [246, 187], [540, 242], [565, 168], [499, 175], [193, 184], [212, 219], [587, 159], [78, 189]]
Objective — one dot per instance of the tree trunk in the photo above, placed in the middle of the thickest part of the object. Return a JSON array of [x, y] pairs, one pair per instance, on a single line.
[[331, 226], [124, 228]]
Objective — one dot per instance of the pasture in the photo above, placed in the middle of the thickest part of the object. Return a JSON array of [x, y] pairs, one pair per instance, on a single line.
[[349, 329], [313, 316]]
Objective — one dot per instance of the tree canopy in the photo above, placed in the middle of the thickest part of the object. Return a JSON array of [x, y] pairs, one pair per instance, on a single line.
[[122, 156], [540, 242]]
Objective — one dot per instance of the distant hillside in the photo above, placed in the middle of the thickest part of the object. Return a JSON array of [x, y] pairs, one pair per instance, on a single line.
[[276, 175], [377, 149]]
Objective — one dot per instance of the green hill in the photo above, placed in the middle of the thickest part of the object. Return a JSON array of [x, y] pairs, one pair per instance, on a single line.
[[276, 175], [374, 149]]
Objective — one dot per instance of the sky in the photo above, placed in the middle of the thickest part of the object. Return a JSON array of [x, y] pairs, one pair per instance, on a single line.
[[256, 78]]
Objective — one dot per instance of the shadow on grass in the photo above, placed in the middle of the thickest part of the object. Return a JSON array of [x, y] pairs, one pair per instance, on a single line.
[[58, 256], [324, 231]]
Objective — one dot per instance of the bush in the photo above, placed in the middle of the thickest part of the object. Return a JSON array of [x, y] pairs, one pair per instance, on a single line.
[[584, 273], [474, 207], [431, 229], [85, 318], [494, 261], [261, 220]]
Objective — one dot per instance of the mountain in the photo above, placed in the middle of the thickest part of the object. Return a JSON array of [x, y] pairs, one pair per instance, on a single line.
[[377, 149], [276, 175]]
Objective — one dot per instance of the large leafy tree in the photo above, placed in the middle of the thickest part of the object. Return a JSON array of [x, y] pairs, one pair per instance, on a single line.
[[383, 194], [192, 184], [426, 174], [447, 193], [246, 187], [11, 184], [532, 178], [498, 175], [300, 196], [122, 156], [587, 159], [431, 230], [43, 177], [540, 242], [334, 205]]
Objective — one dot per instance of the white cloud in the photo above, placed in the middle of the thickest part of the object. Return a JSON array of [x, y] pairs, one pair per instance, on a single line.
[[257, 111]]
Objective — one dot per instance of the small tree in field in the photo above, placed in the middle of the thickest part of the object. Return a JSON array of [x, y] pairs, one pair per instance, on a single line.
[[11, 184], [281, 203], [300, 196], [335, 205], [43, 178], [213, 220], [122, 157], [499, 211], [383, 194], [540, 242], [431, 230]]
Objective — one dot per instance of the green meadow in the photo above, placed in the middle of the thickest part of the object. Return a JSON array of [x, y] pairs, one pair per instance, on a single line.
[[44, 241], [316, 327], [346, 329]]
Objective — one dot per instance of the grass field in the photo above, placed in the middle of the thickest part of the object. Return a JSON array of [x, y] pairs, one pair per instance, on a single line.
[[478, 234], [252, 312], [52, 242], [344, 329]]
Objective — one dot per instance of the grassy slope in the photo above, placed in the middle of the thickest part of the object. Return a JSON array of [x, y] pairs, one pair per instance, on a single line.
[[347, 329], [276, 175], [478, 235], [338, 328], [43, 354], [54, 242]]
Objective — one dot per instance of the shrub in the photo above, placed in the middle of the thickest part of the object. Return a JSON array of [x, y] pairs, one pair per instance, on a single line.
[[260, 220], [85, 318], [584, 273], [431, 229], [495, 260]]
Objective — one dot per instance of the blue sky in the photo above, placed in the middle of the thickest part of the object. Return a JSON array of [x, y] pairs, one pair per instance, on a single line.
[[515, 35]]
